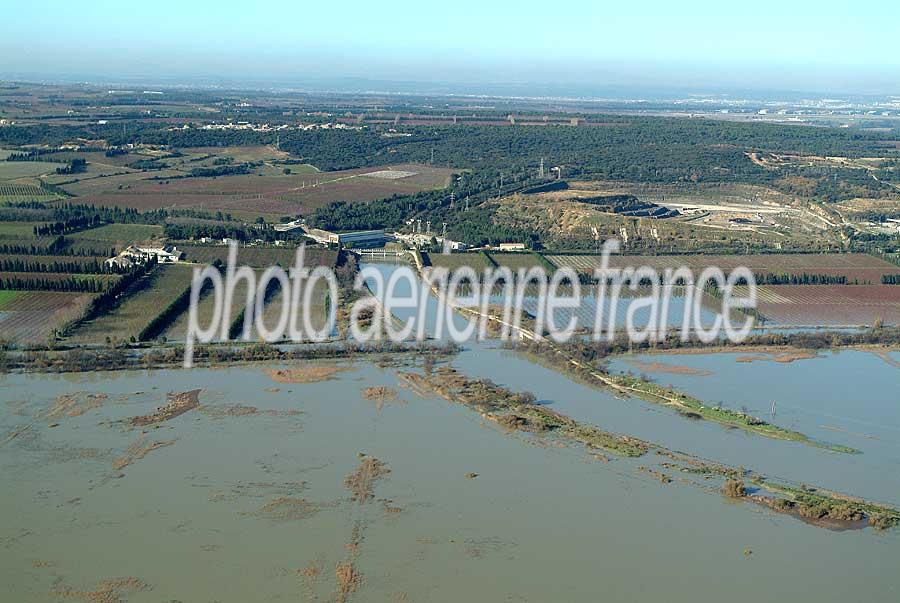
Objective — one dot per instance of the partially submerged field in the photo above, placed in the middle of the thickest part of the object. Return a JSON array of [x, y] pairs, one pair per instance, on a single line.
[[830, 305]]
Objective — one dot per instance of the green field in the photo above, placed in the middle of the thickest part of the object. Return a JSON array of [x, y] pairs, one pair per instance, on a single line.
[[121, 233], [257, 257], [454, 261], [6, 299], [18, 230], [11, 170], [516, 261], [23, 192]]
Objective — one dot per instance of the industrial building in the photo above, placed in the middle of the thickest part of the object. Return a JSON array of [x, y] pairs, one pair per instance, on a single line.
[[359, 238]]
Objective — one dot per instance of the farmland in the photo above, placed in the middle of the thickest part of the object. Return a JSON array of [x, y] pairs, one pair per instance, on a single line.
[[13, 170], [142, 302], [51, 263], [257, 257], [18, 230], [272, 194], [32, 316], [64, 281], [177, 331], [517, 261], [454, 261], [119, 233], [23, 192], [317, 309]]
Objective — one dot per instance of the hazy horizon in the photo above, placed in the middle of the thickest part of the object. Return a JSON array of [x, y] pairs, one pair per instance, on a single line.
[[580, 45]]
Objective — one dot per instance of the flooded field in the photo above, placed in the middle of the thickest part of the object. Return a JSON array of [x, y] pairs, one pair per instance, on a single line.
[[338, 481], [584, 315], [329, 491]]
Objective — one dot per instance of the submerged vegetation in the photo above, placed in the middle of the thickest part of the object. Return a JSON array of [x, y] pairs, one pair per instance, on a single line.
[[520, 412], [129, 358], [560, 359]]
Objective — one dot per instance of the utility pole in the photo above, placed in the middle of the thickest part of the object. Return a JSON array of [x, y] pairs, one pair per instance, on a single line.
[[432, 155], [467, 203], [541, 171]]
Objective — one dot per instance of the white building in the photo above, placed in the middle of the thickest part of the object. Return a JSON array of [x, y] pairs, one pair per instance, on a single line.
[[132, 256]]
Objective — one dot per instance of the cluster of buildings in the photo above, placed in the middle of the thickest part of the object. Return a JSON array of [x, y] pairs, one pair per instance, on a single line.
[[245, 125], [133, 256]]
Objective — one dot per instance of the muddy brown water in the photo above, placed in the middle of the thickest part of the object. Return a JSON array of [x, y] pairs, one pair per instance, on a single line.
[[540, 522], [255, 506]]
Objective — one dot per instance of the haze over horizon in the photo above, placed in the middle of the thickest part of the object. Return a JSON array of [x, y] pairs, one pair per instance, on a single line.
[[580, 45]]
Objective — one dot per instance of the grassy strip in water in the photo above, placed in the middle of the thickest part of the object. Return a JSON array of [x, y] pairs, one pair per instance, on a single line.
[[697, 409], [687, 405], [519, 411], [813, 504]]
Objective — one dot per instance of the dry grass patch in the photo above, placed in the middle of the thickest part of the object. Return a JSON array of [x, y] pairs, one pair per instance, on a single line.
[[361, 482], [311, 374], [176, 404], [139, 450]]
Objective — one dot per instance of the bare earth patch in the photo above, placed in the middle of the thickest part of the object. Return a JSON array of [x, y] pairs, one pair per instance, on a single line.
[[229, 410], [176, 404], [287, 508], [74, 405], [673, 369], [348, 578], [381, 395], [107, 591], [783, 357], [139, 450], [311, 374], [361, 482]]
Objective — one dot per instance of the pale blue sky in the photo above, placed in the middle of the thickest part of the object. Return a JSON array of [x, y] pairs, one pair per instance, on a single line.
[[788, 45]]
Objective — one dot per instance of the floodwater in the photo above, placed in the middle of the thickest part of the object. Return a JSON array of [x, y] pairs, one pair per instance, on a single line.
[[253, 506], [674, 310]]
